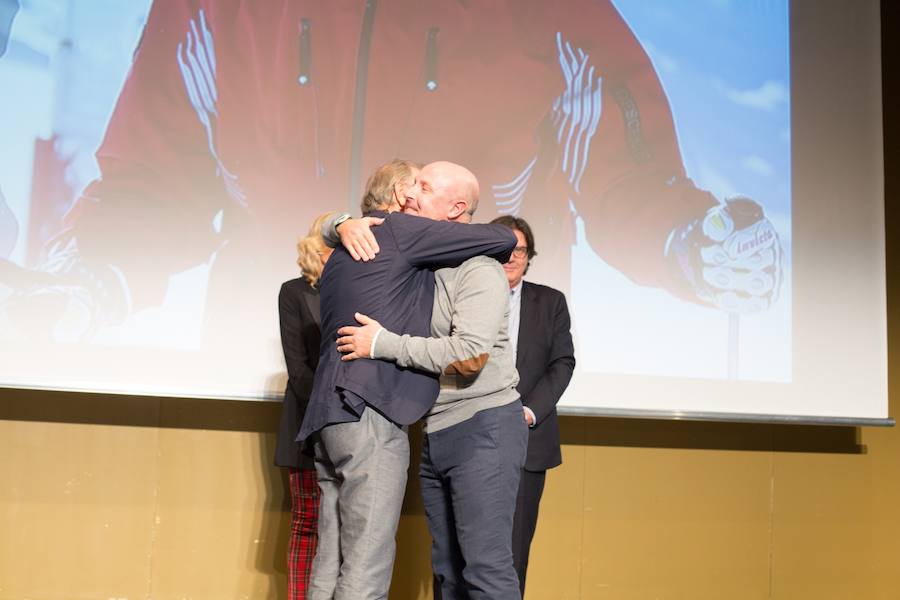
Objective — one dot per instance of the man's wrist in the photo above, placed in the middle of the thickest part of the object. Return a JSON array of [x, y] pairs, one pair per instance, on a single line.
[[374, 340], [388, 345], [338, 221]]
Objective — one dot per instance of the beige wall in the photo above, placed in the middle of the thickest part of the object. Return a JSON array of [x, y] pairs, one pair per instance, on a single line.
[[107, 497]]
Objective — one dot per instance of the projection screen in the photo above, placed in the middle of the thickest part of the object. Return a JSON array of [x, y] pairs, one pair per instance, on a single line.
[[704, 180]]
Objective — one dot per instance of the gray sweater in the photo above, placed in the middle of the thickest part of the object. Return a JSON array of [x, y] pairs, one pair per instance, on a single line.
[[471, 348]]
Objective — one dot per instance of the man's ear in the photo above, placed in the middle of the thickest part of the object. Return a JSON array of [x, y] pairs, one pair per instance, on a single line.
[[457, 209], [400, 195]]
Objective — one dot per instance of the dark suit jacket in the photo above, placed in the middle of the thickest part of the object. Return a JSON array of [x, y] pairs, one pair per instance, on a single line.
[[298, 313], [397, 290], [545, 359]]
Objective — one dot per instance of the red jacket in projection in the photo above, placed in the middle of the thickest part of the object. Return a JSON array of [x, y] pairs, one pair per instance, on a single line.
[[240, 121]]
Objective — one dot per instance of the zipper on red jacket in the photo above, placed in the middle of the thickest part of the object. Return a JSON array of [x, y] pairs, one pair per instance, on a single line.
[[431, 64], [303, 77]]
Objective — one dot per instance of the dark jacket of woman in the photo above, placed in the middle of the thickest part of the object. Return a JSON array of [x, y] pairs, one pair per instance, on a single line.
[[298, 312]]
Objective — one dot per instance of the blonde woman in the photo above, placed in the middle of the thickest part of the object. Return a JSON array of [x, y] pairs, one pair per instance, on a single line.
[[298, 310]]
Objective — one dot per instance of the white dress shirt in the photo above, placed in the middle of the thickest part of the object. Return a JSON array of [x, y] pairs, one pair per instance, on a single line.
[[515, 311]]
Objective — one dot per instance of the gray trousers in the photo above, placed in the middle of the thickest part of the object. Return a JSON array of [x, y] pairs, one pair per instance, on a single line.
[[361, 469], [470, 476]]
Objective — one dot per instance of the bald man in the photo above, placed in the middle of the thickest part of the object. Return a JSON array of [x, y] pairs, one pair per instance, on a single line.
[[475, 434]]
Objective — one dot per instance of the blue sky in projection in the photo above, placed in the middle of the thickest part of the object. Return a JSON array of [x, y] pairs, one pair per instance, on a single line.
[[725, 66]]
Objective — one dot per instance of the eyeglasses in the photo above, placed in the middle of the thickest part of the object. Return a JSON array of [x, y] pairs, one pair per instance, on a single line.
[[520, 251]]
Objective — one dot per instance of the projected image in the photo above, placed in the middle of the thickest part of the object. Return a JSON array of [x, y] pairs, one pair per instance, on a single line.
[[160, 160], [724, 68]]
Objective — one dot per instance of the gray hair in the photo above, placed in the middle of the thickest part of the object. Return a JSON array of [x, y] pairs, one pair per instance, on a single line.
[[380, 187]]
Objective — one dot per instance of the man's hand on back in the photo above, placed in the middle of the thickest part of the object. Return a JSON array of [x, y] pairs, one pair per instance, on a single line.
[[357, 238], [356, 342]]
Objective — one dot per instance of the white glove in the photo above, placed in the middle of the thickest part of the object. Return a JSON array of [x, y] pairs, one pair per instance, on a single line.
[[731, 258]]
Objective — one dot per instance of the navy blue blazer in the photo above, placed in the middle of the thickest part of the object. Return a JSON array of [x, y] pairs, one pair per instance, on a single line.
[[545, 359], [397, 290]]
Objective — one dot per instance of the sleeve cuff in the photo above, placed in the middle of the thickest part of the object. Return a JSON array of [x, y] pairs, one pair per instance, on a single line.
[[388, 345], [374, 342], [329, 230]]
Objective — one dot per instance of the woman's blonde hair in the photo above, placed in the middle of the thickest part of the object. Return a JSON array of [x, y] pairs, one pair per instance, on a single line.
[[380, 187], [311, 248]]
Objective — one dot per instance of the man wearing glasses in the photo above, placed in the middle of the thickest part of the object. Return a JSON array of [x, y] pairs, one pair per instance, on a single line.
[[539, 330]]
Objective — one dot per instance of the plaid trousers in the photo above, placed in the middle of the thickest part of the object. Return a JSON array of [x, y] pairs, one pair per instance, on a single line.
[[304, 530]]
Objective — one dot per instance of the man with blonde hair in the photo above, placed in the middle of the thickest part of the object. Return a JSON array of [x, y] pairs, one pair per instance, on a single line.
[[386, 188], [359, 409]]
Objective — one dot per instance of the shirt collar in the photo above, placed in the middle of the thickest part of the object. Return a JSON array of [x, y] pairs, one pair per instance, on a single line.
[[515, 292]]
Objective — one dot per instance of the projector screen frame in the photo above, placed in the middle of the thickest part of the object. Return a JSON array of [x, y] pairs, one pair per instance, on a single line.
[[803, 20], [565, 411]]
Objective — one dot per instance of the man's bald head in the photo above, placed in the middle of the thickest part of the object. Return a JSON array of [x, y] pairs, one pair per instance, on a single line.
[[444, 191]]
